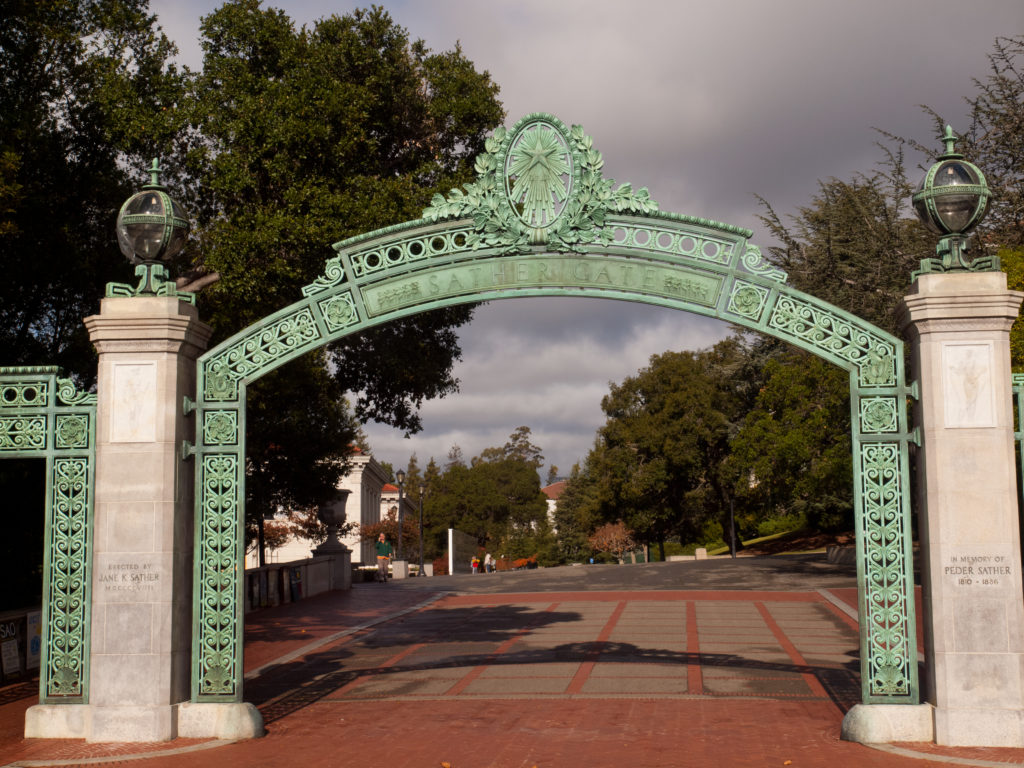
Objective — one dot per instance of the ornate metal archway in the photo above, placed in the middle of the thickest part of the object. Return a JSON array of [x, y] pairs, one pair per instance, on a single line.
[[541, 220]]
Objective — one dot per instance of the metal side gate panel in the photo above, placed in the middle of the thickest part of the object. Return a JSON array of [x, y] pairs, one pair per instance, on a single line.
[[43, 416]]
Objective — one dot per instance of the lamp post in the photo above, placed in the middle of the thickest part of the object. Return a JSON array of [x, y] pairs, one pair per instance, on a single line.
[[950, 201], [423, 491], [400, 475], [151, 229]]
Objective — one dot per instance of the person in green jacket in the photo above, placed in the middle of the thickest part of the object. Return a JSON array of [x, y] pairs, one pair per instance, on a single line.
[[384, 552]]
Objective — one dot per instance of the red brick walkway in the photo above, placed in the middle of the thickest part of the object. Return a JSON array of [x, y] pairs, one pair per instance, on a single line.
[[559, 680]]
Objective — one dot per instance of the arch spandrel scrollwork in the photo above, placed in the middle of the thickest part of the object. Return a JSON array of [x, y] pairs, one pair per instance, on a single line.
[[540, 219]]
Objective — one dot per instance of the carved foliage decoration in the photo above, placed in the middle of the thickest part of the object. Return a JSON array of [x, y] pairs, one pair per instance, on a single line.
[[539, 184], [878, 414]]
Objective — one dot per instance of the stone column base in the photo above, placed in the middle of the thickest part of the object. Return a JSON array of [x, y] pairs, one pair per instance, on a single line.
[[886, 723], [979, 727], [143, 724], [219, 721], [58, 721]]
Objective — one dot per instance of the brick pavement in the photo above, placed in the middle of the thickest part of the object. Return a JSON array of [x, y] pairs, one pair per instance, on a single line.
[[559, 679]]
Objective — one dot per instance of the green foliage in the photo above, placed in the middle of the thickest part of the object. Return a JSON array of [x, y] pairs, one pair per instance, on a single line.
[[297, 138], [665, 441], [781, 524], [577, 513], [854, 246], [496, 499], [85, 89], [1012, 261], [994, 141], [297, 448], [303, 137], [794, 445]]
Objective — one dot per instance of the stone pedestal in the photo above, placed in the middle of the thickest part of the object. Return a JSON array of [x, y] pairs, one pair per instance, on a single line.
[[141, 621], [970, 541], [399, 569]]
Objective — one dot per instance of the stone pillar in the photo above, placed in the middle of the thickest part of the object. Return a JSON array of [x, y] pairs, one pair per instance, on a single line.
[[140, 661], [959, 325]]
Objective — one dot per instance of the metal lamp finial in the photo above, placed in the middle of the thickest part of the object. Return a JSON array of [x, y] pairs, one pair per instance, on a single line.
[[950, 201], [950, 139]]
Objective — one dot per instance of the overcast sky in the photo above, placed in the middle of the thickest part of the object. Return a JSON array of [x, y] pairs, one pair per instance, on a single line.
[[706, 104]]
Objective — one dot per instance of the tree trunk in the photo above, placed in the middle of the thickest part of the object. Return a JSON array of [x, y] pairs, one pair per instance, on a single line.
[[261, 543]]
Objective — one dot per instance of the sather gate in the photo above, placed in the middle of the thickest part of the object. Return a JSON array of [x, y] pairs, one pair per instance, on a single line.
[[541, 220]]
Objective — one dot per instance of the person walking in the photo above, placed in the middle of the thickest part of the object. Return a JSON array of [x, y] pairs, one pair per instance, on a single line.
[[384, 552]]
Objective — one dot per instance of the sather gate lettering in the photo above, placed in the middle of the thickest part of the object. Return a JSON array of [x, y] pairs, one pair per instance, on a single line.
[[541, 220]]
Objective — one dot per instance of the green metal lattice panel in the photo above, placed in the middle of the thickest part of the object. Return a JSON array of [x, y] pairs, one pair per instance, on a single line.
[[44, 416]]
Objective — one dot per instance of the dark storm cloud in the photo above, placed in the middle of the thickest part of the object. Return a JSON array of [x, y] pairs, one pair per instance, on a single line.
[[706, 104]]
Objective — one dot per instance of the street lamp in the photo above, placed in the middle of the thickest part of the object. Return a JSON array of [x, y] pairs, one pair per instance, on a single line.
[[423, 491], [400, 474], [151, 228], [950, 201]]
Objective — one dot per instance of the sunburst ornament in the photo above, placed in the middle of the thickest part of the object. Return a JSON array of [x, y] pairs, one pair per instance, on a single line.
[[539, 173]]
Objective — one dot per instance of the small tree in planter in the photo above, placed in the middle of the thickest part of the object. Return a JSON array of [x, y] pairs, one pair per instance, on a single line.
[[614, 538]]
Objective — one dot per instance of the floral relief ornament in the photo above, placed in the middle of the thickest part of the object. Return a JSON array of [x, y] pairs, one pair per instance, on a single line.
[[551, 191]]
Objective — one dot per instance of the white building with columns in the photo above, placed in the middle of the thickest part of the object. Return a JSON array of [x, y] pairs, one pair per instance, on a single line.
[[369, 496]]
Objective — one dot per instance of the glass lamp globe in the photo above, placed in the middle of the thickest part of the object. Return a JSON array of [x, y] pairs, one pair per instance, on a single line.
[[952, 198], [151, 227]]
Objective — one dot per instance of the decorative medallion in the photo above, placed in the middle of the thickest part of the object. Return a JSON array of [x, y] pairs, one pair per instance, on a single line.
[[538, 173], [878, 414], [747, 300], [339, 312], [73, 431], [540, 184], [220, 428]]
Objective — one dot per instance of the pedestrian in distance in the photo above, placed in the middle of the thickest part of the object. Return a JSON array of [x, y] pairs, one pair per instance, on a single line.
[[384, 552]]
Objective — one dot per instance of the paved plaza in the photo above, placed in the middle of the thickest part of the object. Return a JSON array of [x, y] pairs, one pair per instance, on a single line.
[[492, 670]]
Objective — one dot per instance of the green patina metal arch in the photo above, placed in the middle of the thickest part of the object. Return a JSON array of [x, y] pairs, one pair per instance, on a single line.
[[541, 220], [43, 416]]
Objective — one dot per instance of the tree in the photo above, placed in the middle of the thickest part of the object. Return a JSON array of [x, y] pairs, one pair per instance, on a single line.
[[304, 137], [665, 441], [552, 475], [853, 246], [792, 453], [1012, 261], [994, 141], [577, 513], [86, 90], [296, 448], [518, 448], [496, 498], [614, 538], [297, 138]]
